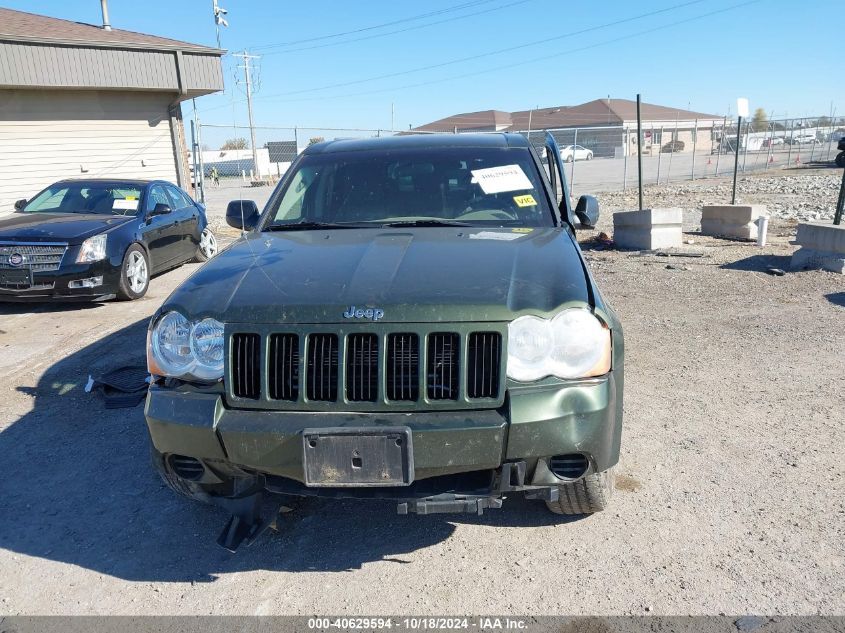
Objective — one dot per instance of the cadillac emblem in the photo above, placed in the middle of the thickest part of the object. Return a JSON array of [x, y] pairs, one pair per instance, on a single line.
[[16, 259]]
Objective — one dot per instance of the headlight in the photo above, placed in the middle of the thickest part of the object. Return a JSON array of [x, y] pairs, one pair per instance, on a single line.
[[183, 349], [93, 249], [574, 344]]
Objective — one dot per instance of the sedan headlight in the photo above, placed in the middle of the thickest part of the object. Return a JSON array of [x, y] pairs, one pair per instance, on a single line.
[[181, 348], [93, 249], [574, 344]]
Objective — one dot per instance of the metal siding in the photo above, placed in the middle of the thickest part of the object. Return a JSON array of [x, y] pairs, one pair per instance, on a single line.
[[66, 66], [47, 136]]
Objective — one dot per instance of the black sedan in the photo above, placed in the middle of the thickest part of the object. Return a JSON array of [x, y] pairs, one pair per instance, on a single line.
[[99, 239]]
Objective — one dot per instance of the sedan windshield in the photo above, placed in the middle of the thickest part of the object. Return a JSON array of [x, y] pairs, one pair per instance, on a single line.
[[451, 186], [87, 197]]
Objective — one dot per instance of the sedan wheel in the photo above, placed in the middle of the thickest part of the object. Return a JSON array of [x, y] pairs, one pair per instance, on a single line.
[[208, 246], [134, 274]]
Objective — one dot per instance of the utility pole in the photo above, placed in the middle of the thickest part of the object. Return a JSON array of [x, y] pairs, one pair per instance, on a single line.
[[248, 81]]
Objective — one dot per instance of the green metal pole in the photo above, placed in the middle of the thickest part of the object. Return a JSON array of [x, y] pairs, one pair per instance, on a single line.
[[840, 204], [736, 158]]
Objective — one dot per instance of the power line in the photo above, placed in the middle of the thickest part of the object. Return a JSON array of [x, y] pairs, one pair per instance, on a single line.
[[405, 30], [495, 52], [521, 63], [420, 16]]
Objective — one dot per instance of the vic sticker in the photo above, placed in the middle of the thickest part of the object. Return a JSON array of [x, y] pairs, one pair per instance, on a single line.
[[525, 201]]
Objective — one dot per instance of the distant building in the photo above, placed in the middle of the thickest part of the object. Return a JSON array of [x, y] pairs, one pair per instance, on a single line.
[[606, 126], [81, 100]]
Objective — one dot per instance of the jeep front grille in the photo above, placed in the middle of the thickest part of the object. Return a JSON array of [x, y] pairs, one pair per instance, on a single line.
[[362, 367], [365, 367], [403, 367], [483, 364], [284, 367], [246, 357], [442, 369], [321, 382], [37, 257]]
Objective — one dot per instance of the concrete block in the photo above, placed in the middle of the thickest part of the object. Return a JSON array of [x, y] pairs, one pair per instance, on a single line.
[[822, 246], [732, 220], [648, 229]]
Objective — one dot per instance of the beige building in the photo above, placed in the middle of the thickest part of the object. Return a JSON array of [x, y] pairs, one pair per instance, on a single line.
[[80, 100]]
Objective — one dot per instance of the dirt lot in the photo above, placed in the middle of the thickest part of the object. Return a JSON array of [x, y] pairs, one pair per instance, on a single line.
[[731, 489]]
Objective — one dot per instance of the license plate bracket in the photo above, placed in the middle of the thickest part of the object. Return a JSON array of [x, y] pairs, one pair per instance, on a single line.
[[21, 277], [358, 457]]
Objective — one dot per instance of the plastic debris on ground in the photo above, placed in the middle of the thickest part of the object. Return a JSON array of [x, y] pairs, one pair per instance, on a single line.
[[121, 388]]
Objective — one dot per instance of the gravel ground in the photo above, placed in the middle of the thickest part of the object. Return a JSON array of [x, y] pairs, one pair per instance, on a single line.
[[731, 493]]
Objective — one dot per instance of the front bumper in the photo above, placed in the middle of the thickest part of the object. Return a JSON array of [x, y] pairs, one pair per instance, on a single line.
[[536, 422], [54, 286]]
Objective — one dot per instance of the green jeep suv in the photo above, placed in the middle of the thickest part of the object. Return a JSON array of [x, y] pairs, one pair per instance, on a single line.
[[409, 318]]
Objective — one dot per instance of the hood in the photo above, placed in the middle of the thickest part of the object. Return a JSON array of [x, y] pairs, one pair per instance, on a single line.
[[57, 227], [419, 275]]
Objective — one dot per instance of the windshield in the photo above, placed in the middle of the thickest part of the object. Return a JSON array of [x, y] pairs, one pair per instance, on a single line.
[[460, 186], [87, 197]]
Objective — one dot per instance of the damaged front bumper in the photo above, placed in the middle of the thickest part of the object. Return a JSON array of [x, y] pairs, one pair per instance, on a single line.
[[462, 461]]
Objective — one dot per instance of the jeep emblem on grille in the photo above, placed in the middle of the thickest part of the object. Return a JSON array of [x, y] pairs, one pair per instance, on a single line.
[[16, 259], [360, 313]]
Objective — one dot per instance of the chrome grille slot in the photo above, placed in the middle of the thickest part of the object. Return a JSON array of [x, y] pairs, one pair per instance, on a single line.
[[483, 360], [403, 367], [442, 369], [283, 367], [246, 365], [321, 373], [36, 257]]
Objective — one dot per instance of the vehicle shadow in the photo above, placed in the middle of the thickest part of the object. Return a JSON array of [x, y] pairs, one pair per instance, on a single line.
[[836, 298], [78, 489], [13, 308], [760, 263]]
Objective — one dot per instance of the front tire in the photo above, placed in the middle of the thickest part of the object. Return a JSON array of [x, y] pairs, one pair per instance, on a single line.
[[134, 274], [208, 246], [588, 495], [590, 156], [568, 159], [840, 159]]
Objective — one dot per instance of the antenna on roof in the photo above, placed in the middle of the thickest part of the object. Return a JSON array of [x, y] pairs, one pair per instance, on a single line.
[[104, 7]]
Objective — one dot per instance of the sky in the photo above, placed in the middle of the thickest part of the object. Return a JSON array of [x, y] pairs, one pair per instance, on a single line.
[[403, 63]]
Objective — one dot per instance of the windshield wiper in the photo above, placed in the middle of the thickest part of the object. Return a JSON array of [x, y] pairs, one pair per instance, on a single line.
[[307, 226], [426, 223]]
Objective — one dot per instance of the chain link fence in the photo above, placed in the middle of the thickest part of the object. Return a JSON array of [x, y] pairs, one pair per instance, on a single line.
[[598, 158]]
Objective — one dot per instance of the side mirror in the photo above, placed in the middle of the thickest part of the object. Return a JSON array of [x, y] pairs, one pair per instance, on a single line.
[[160, 209], [242, 214], [20, 204], [587, 211]]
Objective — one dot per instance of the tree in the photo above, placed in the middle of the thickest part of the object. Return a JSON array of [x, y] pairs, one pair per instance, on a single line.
[[235, 143], [315, 139], [760, 122]]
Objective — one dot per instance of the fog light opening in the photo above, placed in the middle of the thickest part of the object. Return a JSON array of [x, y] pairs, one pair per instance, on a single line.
[[88, 282], [570, 466], [186, 467]]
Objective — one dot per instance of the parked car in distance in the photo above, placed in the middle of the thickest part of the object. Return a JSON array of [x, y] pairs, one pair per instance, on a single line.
[[334, 352], [570, 153], [801, 139], [672, 146], [772, 142], [98, 239]]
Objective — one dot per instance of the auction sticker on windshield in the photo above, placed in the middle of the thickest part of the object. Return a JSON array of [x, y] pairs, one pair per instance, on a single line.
[[125, 205], [501, 179]]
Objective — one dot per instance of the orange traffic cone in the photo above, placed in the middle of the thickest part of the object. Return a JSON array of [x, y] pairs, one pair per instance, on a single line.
[[771, 159]]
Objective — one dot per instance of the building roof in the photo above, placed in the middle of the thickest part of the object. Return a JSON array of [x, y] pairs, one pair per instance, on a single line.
[[19, 26], [493, 120], [593, 113]]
